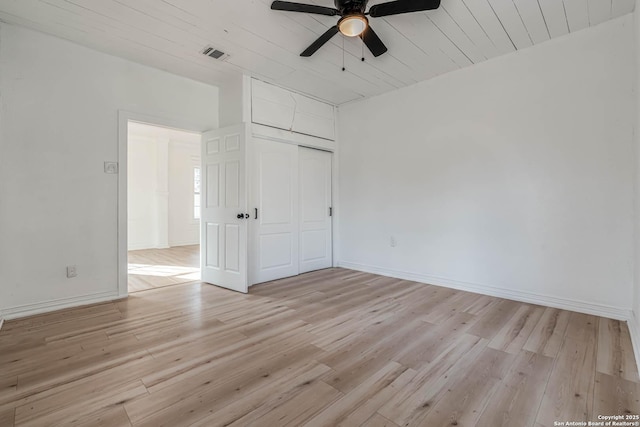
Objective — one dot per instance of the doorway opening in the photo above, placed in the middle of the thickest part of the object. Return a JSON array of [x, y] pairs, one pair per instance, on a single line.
[[163, 206]]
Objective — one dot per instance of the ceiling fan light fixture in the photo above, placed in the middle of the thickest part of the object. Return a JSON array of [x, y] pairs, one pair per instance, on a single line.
[[353, 25]]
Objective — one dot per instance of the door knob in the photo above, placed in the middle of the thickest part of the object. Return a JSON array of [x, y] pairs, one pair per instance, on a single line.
[[242, 216]]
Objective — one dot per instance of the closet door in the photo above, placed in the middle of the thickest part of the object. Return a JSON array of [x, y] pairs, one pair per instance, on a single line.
[[275, 193], [315, 204]]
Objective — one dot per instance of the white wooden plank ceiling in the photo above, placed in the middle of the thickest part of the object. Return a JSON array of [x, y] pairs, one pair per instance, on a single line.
[[169, 34]]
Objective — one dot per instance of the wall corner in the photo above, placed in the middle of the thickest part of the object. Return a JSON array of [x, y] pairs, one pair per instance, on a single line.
[[634, 332], [634, 326]]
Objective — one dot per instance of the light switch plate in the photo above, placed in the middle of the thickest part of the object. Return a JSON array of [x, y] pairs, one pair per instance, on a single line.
[[111, 167], [71, 271]]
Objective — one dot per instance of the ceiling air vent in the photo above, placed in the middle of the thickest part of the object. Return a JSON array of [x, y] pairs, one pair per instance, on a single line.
[[214, 53]]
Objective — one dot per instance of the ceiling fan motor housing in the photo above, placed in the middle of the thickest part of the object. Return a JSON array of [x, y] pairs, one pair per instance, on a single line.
[[350, 7]]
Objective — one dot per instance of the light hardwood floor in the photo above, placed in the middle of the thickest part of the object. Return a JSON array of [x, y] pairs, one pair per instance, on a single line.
[[334, 347], [157, 268]]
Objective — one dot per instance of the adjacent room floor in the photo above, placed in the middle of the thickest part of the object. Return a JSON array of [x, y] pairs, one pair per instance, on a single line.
[[334, 347], [157, 268]]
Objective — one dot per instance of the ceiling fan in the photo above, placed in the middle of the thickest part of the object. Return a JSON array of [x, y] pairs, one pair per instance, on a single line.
[[353, 21]]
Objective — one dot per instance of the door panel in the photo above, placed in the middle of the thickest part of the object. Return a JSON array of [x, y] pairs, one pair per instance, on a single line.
[[315, 202], [276, 250], [275, 232], [232, 246], [224, 235], [212, 259], [212, 198], [232, 184]]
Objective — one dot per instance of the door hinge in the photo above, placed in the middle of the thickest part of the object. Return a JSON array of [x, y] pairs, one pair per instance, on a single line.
[[330, 211]]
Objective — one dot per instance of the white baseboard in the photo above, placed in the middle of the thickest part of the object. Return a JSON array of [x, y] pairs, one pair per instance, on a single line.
[[528, 297], [48, 306], [143, 246], [185, 243], [634, 331]]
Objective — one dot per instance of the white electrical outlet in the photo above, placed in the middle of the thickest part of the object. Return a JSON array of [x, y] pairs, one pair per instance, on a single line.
[[111, 167], [71, 271], [393, 242]]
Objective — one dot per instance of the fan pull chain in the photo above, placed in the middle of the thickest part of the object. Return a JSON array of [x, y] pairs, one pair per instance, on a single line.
[[362, 44], [343, 67]]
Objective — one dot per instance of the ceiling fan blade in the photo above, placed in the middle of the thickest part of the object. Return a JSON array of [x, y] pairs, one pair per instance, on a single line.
[[321, 41], [373, 42], [306, 8], [402, 6]]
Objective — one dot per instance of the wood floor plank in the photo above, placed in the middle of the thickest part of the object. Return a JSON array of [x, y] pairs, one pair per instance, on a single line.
[[452, 304], [490, 324], [359, 333], [433, 340], [525, 383], [332, 347], [378, 420], [616, 396], [7, 417], [29, 415], [195, 396], [338, 412], [548, 334], [570, 390], [108, 417], [55, 321], [615, 351], [157, 268], [8, 387], [515, 333], [413, 401], [343, 302], [353, 365], [282, 386], [301, 406], [174, 365], [481, 305], [192, 377], [91, 387], [79, 367], [468, 396], [363, 412]]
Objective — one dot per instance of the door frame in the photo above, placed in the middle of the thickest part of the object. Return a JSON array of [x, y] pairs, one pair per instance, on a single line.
[[124, 117]]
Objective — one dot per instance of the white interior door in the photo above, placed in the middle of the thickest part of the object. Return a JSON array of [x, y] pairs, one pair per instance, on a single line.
[[315, 209], [223, 224], [275, 231]]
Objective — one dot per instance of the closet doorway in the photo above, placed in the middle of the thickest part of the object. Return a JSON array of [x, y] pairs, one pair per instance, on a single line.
[[292, 228]]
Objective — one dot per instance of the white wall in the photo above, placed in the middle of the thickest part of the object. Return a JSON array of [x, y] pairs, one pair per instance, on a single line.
[[183, 228], [142, 182], [634, 324], [232, 100], [58, 124], [160, 187], [512, 177]]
